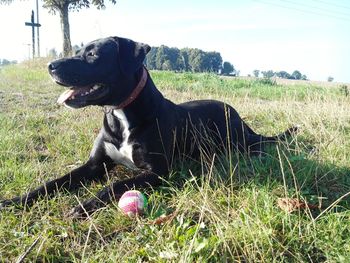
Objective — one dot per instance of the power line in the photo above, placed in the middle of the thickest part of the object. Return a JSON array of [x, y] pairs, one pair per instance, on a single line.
[[303, 10], [318, 8], [332, 4]]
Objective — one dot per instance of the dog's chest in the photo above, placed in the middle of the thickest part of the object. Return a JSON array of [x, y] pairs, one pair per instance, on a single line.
[[123, 153]]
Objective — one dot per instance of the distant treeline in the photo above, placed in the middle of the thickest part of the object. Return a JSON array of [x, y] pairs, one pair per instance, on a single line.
[[5, 62], [187, 59], [280, 74]]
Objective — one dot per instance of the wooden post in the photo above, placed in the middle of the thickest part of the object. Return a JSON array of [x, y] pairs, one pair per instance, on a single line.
[[37, 29], [33, 25]]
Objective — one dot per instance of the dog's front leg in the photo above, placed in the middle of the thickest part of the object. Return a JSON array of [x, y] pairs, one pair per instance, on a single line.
[[114, 192], [73, 180]]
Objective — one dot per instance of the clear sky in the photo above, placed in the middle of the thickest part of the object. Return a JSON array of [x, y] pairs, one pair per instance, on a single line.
[[312, 36]]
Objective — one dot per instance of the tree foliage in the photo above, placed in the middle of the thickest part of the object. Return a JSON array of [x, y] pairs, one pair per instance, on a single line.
[[256, 73], [227, 68], [62, 7], [268, 74], [186, 59], [296, 74], [73, 5], [52, 53], [330, 79], [284, 74], [5, 62]]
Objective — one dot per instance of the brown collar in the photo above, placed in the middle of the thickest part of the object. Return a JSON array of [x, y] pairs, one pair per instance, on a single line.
[[136, 91]]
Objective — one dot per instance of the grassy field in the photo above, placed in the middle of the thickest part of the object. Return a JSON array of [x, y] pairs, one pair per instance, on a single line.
[[226, 212]]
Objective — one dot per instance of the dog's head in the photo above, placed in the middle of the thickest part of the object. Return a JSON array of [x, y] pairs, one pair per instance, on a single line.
[[101, 73]]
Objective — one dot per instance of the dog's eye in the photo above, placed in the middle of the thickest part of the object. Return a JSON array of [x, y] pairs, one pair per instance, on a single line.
[[91, 54]]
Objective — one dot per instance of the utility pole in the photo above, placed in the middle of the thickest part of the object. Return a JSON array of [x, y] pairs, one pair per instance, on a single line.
[[28, 45], [33, 25], [37, 29]]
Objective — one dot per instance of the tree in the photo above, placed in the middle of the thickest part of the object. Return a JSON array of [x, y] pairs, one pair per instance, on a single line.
[[330, 79], [186, 59], [5, 62], [62, 7], [214, 60], [174, 58], [75, 49], [166, 58], [227, 68], [296, 74], [256, 73], [196, 60], [52, 53], [268, 74], [151, 57], [283, 74]]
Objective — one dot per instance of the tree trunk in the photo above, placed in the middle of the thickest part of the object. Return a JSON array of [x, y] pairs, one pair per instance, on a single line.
[[67, 46]]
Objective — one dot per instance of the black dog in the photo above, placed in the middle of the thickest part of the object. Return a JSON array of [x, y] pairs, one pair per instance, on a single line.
[[141, 129]]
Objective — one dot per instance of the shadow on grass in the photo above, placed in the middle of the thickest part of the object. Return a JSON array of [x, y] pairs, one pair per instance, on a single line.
[[280, 172], [300, 174]]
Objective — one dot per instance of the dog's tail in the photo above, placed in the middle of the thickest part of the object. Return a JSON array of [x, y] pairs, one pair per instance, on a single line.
[[284, 135], [257, 142]]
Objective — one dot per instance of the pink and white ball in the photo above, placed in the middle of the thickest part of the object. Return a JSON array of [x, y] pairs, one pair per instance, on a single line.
[[132, 203]]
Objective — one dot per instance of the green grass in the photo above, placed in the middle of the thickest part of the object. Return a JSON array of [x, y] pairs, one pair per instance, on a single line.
[[226, 212]]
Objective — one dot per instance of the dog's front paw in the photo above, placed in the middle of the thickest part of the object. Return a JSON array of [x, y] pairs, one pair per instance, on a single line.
[[77, 213], [2, 204], [84, 210], [9, 202]]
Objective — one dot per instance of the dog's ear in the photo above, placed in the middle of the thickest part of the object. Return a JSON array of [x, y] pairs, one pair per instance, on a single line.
[[131, 55]]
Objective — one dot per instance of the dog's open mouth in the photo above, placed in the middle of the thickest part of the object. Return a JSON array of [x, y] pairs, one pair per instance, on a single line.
[[82, 96], [77, 92]]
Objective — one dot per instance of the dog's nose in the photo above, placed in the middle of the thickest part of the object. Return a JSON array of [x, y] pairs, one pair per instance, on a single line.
[[53, 65]]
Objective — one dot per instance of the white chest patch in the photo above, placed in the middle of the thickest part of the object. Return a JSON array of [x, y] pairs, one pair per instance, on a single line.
[[122, 155]]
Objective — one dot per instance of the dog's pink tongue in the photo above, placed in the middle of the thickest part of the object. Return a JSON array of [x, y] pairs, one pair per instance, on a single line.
[[65, 96]]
